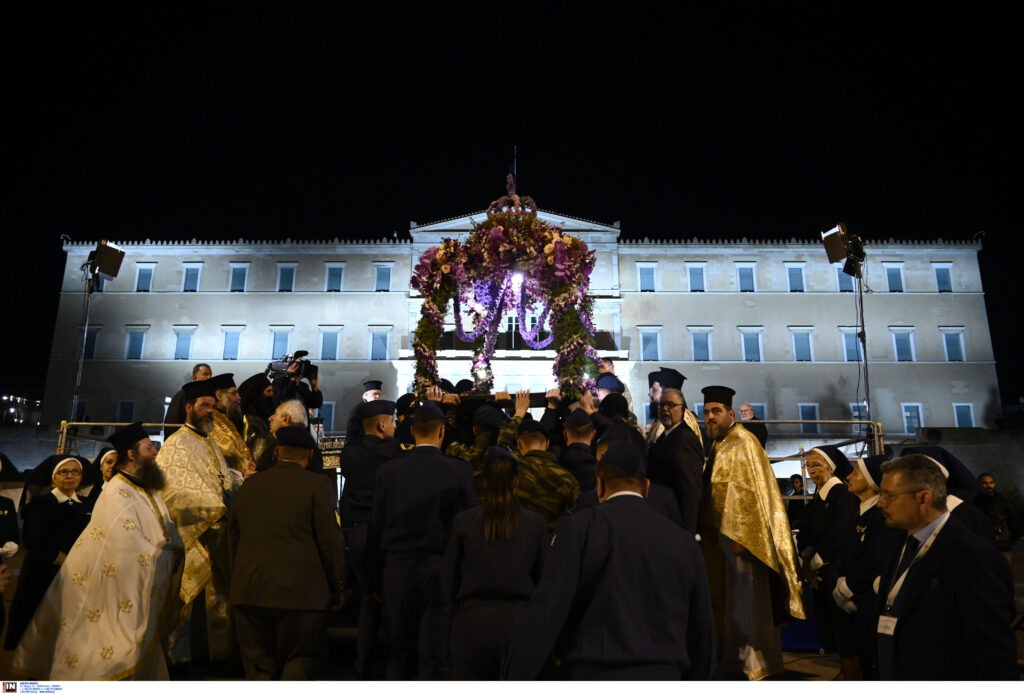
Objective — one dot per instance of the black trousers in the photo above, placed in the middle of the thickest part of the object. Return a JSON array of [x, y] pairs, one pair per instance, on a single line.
[[643, 671], [369, 609], [276, 643], [479, 637], [415, 610]]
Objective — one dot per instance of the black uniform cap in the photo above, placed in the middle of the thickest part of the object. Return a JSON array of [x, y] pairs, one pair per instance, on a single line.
[[199, 389], [297, 437], [427, 412], [532, 426], [375, 408], [670, 378], [614, 405], [609, 381], [626, 457], [223, 381], [403, 405], [578, 418], [488, 416], [719, 394], [464, 386], [126, 437], [371, 385]]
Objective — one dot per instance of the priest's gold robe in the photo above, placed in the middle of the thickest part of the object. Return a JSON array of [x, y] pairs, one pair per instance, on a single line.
[[236, 454], [742, 503], [198, 494], [112, 604]]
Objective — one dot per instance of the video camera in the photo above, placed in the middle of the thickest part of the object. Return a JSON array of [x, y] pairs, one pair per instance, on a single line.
[[307, 369]]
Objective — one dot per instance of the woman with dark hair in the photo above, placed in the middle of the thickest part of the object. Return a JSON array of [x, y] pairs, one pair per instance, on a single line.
[[491, 566]]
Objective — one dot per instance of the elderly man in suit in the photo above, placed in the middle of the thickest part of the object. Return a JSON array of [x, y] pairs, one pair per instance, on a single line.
[[676, 460], [288, 562], [946, 597]]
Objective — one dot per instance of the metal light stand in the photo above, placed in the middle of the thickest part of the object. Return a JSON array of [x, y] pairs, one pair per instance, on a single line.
[[90, 282]]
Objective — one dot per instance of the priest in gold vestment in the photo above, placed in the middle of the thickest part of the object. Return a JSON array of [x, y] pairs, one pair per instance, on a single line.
[[200, 487], [108, 612], [227, 410], [748, 547]]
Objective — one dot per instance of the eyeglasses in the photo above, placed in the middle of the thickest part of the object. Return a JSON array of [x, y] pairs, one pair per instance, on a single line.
[[670, 405], [68, 473], [889, 496]]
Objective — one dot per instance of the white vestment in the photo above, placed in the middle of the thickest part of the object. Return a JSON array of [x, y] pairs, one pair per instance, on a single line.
[[106, 611]]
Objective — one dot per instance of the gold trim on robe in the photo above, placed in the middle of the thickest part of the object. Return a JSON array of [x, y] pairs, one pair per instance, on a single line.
[[236, 454]]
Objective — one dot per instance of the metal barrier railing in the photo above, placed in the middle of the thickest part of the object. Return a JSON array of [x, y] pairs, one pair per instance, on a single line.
[[66, 437]]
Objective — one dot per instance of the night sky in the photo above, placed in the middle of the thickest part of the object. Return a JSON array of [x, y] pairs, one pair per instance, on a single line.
[[680, 121]]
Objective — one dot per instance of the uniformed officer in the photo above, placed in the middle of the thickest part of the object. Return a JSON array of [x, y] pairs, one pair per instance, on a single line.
[[597, 590], [359, 463], [416, 498], [578, 455]]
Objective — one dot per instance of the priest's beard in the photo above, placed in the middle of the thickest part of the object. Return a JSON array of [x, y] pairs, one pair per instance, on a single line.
[[151, 476], [204, 425], [717, 431]]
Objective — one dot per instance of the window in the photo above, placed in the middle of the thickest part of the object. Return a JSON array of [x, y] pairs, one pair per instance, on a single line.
[[803, 349], [912, 419], [136, 342], [795, 276], [943, 277], [751, 337], [646, 276], [953, 341], [698, 409], [329, 342], [700, 335], [808, 411], [232, 338], [844, 281], [326, 414], [239, 276], [379, 344], [382, 277], [858, 410], [851, 343], [745, 277], [894, 276], [144, 276], [183, 341], [285, 277], [190, 276], [92, 336], [963, 414], [334, 275], [282, 339], [650, 343], [697, 273], [760, 409], [903, 343], [126, 411]]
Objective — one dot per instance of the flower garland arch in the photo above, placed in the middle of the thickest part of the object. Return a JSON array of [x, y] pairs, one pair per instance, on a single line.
[[511, 262]]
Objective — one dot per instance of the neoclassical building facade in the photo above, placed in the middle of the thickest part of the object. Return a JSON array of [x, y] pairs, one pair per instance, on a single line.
[[772, 319]]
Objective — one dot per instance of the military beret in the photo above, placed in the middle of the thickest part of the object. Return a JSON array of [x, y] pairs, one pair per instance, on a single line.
[[532, 426], [719, 394], [670, 378], [299, 437], [126, 437], [199, 389], [371, 385], [836, 460], [375, 408], [427, 412], [488, 416], [614, 405], [223, 381], [626, 457], [608, 381], [578, 418]]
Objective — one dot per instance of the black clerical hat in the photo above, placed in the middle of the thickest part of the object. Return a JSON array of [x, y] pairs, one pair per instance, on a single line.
[[299, 437], [614, 405], [371, 385], [375, 408], [625, 456], [199, 389], [427, 412], [719, 394], [652, 378], [126, 437], [223, 381], [608, 381], [488, 416]]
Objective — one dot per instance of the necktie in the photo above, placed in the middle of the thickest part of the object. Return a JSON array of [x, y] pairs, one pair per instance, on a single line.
[[909, 552]]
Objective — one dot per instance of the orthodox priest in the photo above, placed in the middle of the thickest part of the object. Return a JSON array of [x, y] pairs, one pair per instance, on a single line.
[[748, 547], [107, 613], [200, 487], [226, 411]]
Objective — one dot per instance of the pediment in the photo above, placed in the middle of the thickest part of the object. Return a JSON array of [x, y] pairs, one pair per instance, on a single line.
[[459, 227]]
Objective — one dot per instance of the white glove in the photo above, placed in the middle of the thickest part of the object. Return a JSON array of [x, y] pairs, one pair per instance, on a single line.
[[843, 596], [8, 550]]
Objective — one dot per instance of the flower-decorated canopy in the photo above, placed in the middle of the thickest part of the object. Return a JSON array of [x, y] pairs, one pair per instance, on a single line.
[[511, 262]]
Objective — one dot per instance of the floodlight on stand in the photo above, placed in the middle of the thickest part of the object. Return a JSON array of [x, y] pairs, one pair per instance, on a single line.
[[105, 261], [842, 246]]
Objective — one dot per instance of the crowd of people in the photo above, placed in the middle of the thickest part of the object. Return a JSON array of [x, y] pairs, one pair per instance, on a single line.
[[488, 544]]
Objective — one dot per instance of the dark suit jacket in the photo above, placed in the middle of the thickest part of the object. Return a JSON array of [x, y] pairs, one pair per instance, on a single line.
[[676, 460], [578, 459], [597, 592], [953, 613], [359, 463], [659, 498], [757, 429], [285, 545]]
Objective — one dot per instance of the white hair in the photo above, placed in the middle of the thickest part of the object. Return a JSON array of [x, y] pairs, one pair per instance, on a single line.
[[296, 412]]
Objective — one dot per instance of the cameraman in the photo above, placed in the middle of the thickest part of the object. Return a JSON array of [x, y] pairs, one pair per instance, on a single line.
[[289, 386]]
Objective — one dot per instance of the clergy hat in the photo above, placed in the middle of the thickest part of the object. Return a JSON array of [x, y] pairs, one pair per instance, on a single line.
[[463, 386], [125, 437], [532, 426], [608, 381], [958, 476], [296, 436], [488, 416], [836, 460], [199, 389], [652, 378], [626, 457], [578, 419], [223, 381], [719, 394], [670, 378], [427, 412], [871, 469], [375, 408], [404, 404], [614, 405], [371, 385]]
